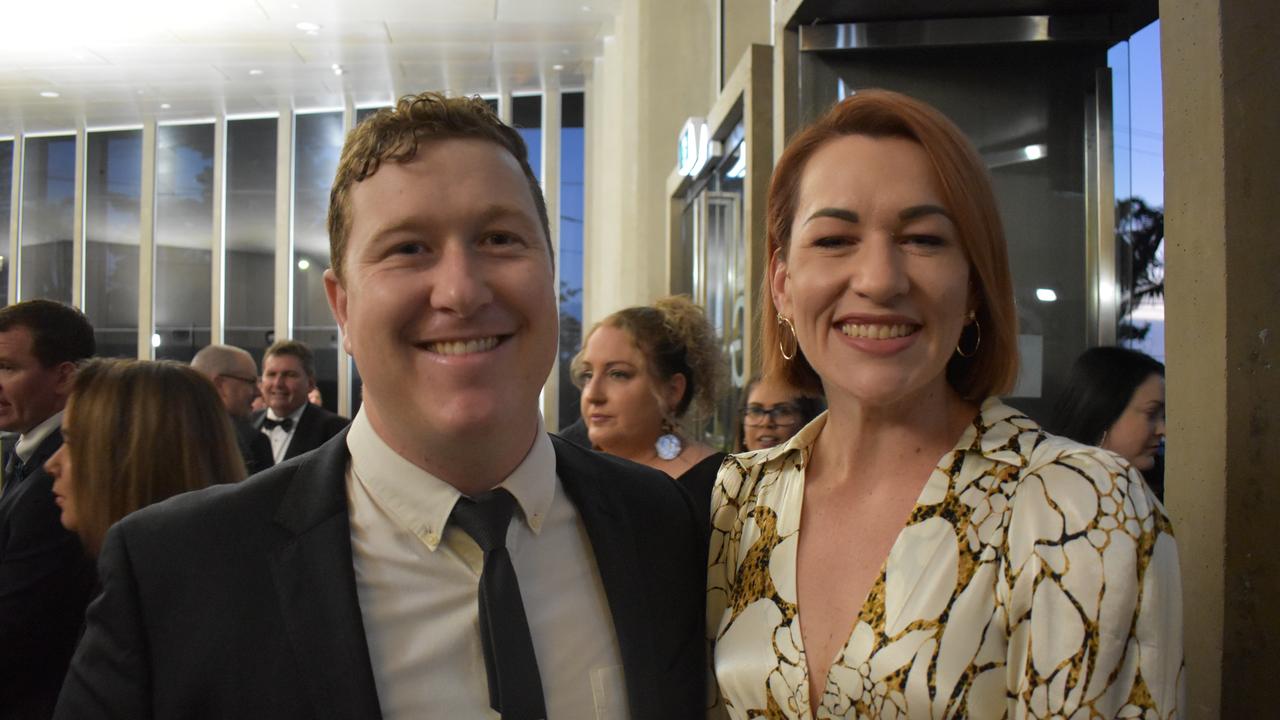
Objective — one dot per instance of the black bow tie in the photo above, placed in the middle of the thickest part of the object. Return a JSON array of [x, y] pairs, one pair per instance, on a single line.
[[286, 423]]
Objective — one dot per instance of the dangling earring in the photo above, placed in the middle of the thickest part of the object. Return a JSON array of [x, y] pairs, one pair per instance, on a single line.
[[669, 444], [973, 318], [795, 341]]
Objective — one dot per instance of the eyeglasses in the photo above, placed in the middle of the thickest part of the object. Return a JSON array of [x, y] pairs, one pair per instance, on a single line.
[[780, 414], [251, 381]]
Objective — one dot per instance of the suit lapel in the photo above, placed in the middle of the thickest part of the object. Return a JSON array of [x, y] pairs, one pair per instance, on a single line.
[[304, 436], [315, 585], [613, 544]]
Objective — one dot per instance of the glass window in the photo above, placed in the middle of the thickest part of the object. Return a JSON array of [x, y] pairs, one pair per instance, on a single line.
[[6, 197], [1139, 186], [570, 259], [317, 144], [184, 239], [112, 203], [250, 234], [526, 116], [48, 201]]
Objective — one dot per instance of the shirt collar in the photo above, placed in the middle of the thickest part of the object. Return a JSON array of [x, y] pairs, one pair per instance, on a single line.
[[421, 503], [30, 440], [294, 416]]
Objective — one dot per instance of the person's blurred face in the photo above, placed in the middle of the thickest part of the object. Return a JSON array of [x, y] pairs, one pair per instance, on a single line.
[[772, 415], [239, 388], [59, 468], [448, 300], [875, 278], [1137, 433], [285, 383], [30, 393], [619, 398]]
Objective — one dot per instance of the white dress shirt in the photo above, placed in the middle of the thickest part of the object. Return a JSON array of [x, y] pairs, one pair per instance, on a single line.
[[27, 442], [417, 579], [280, 438]]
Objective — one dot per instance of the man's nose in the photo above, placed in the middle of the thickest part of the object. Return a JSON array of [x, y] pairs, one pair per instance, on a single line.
[[459, 284]]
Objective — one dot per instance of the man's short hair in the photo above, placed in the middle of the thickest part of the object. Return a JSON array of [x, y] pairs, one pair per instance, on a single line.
[[59, 333], [215, 360], [394, 134], [297, 349]]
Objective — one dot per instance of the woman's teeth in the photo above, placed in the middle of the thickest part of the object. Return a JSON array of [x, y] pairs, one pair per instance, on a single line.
[[877, 331]]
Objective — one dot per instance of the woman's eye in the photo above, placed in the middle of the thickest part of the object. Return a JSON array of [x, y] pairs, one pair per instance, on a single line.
[[925, 240], [834, 241], [619, 375]]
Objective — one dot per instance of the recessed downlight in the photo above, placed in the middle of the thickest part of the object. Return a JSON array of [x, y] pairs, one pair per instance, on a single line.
[[308, 26], [255, 71], [165, 106], [49, 94]]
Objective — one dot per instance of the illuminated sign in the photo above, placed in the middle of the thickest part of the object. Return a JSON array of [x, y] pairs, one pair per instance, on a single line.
[[694, 147]]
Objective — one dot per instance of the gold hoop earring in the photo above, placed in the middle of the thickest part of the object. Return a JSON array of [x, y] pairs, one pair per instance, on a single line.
[[977, 343], [795, 341]]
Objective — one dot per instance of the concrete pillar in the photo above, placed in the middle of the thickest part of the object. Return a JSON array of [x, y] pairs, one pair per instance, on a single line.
[[1221, 68]]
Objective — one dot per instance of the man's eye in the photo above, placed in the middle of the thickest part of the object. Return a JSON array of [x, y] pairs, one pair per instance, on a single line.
[[409, 249], [501, 239]]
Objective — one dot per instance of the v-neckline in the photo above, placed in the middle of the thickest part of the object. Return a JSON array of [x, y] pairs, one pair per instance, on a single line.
[[880, 580]]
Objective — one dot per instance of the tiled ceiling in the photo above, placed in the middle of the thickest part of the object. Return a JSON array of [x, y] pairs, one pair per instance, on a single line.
[[114, 62]]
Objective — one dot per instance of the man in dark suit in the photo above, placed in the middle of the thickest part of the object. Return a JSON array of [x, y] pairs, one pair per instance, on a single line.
[[292, 424], [45, 576], [444, 557], [235, 375]]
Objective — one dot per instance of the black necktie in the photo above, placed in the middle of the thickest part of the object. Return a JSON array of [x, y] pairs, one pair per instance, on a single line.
[[515, 687], [14, 469], [268, 423]]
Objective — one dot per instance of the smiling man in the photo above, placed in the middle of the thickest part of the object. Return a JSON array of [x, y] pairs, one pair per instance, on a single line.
[[445, 557], [292, 423]]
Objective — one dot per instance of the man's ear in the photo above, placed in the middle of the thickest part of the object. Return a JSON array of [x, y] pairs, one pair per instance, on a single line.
[[779, 285], [65, 375], [337, 295]]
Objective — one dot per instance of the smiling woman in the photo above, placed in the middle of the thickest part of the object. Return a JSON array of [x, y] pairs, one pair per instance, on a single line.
[[948, 557]]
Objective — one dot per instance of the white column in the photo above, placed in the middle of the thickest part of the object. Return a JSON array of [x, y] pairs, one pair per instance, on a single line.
[[344, 360], [504, 106], [77, 221], [218, 254], [551, 193], [147, 242], [15, 217], [284, 224]]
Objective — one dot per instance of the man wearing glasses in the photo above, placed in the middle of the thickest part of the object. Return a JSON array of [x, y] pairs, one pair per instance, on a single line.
[[235, 375]]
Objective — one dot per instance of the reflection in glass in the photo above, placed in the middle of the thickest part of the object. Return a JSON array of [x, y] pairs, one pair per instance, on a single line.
[[112, 202], [48, 199], [6, 197], [317, 144], [570, 259], [526, 116], [250, 234], [184, 239]]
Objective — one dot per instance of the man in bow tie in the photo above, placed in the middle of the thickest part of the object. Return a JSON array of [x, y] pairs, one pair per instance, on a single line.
[[45, 576], [444, 557], [293, 425]]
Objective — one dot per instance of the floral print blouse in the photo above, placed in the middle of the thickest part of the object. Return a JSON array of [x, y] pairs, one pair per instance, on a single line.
[[1035, 578]]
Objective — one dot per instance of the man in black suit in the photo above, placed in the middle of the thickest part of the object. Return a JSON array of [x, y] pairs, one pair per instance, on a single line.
[[45, 576], [352, 582], [235, 375], [292, 424]]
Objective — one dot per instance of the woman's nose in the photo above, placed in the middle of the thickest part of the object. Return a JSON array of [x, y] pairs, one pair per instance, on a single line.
[[878, 272]]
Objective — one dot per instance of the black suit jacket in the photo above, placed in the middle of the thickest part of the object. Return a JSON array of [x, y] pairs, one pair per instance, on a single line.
[[255, 448], [45, 582], [240, 601], [315, 426]]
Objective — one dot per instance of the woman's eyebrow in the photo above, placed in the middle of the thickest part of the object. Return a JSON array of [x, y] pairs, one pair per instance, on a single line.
[[837, 213], [919, 211]]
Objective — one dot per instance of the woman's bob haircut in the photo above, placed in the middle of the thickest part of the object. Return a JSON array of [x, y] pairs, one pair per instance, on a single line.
[[966, 192]]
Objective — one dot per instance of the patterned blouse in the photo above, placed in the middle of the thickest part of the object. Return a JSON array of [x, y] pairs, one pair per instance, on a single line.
[[1036, 577]]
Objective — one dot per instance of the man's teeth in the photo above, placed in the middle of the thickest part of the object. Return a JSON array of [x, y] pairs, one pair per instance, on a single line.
[[876, 331], [463, 347]]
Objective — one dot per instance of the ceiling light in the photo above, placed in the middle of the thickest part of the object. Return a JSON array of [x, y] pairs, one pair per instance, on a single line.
[[337, 69], [1046, 295], [308, 26], [255, 71], [48, 94], [304, 264], [586, 8], [155, 340], [165, 106], [557, 66]]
